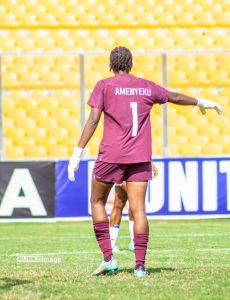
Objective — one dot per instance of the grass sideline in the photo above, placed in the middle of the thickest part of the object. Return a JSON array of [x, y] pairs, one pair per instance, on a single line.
[[188, 260]]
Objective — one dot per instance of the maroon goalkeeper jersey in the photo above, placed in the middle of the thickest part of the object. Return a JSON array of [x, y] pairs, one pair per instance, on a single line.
[[126, 102]]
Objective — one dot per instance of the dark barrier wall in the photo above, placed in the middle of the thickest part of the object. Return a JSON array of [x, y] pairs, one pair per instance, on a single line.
[[27, 189]]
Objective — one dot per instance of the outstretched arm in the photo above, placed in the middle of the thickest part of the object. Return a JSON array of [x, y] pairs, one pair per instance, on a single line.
[[203, 104], [88, 131], [90, 127]]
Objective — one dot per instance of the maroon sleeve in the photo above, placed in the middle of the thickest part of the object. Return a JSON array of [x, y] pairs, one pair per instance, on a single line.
[[96, 100], [160, 94]]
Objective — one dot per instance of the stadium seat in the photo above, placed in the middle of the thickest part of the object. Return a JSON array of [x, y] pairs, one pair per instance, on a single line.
[[44, 89], [59, 151], [8, 20], [35, 151], [13, 152]]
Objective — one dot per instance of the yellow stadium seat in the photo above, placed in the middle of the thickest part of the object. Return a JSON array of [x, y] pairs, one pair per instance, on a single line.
[[219, 77], [106, 19], [67, 19], [71, 79], [28, 20], [59, 151], [13, 152], [205, 18], [26, 142], [87, 19], [49, 103], [48, 142], [17, 114], [30, 80], [198, 78], [146, 18], [178, 78], [52, 80], [8, 20], [47, 20], [166, 18], [35, 151], [212, 149], [38, 94], [10, 80], [222, 19], [14, 133], [69, 142], [38, 133], [190, 130], [190, 150], [7, 142], [40, 115]]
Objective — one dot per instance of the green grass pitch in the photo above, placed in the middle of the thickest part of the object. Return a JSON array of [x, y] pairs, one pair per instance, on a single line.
[[187, 260]]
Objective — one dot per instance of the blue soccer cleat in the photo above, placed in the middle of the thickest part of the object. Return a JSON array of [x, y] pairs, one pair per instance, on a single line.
[[106, 267], [140, 272]]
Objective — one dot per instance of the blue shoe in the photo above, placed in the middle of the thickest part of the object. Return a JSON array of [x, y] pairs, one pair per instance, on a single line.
[[140, 272], [106, 267]]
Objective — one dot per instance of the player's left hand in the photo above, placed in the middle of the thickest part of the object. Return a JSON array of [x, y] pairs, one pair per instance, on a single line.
[[208, 104], [74, 162], [154, 170]]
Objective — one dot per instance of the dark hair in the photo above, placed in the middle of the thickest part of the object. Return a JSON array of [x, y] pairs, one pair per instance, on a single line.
[[121, 59]]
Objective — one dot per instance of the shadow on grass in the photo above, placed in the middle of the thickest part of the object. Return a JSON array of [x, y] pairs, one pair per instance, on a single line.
[[7, 283], [150, 270]]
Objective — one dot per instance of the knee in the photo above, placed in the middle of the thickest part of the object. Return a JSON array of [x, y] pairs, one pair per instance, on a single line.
[[97, 201], [119, 204], [137, 211]]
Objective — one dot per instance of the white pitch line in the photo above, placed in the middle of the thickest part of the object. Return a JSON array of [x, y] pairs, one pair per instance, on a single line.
[[120, 252], [120, 237]]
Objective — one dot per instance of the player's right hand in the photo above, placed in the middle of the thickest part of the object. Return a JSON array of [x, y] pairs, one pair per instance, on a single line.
[[74, 162], [208, 104], [154, 170]]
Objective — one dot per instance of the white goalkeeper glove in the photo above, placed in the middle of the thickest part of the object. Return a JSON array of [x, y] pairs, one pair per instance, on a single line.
[[208, 104], [74, 162]]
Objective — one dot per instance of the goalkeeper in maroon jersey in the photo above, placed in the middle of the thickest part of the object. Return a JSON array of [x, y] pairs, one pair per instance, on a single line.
[[125, 150]]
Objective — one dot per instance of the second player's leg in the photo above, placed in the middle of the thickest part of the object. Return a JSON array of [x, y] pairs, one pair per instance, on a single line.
[[119, 204], [131, 230], [116, 214]]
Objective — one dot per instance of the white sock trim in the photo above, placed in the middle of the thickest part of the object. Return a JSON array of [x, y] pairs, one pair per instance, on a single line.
[[114, 231], [131, 230]]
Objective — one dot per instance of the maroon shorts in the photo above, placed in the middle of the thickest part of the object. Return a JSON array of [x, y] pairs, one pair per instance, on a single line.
[[117, 173]]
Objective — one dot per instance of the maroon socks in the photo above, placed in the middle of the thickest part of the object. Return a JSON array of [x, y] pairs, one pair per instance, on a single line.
[[101, 230], [140, 246]]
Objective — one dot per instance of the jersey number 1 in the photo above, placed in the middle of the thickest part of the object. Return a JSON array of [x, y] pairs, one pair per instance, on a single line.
[[133, 106]]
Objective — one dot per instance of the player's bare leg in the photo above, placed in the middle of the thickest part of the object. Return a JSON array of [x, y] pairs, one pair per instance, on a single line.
[[136, 195], [99, 195], [116, 214]]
